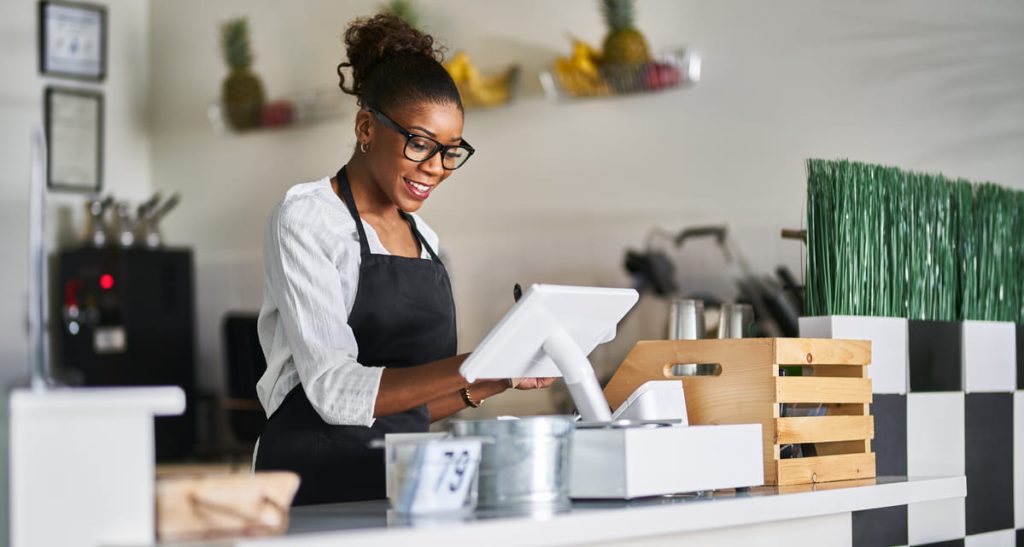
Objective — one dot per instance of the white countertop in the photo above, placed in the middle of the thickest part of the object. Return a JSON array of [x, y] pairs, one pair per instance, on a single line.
[[371, 523]]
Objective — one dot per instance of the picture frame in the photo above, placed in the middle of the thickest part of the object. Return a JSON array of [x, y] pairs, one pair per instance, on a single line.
[[73, 40], [74, 139]]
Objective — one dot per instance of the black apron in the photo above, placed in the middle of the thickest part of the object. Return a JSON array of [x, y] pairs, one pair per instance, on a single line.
[[403, 316]]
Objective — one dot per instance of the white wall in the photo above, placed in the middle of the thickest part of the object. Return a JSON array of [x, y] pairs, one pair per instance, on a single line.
[[127, 166], [126, 163], [558, 190]]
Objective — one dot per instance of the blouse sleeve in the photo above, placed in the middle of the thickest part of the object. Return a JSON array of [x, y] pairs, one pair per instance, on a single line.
[[309, 289]]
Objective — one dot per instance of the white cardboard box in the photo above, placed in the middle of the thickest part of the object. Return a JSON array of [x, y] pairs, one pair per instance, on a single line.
[[82, 464], [990, 356], [637, 462], [889, 368]]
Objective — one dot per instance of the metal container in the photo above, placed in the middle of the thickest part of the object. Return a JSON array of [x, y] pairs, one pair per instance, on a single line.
[[686, 321], [526, 467], [736, 321]]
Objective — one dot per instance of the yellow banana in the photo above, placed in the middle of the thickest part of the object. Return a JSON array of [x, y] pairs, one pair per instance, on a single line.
[[457, 66], [578, 73], [475, 88]]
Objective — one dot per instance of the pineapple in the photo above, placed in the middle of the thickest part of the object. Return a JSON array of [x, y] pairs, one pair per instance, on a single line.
[[242, 92], [624, 44]]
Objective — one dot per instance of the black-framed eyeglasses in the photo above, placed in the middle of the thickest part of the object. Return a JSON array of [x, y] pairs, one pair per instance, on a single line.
[[421, 148]]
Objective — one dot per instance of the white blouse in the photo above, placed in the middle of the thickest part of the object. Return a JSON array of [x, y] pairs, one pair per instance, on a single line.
[[311, 273]]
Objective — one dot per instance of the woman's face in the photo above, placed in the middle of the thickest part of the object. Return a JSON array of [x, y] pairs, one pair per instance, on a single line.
[[405, 182]]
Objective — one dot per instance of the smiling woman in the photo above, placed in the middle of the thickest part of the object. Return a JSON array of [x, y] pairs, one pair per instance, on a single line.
[[358, 321]]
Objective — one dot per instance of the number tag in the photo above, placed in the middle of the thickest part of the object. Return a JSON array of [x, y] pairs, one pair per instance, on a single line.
[[439, 477]]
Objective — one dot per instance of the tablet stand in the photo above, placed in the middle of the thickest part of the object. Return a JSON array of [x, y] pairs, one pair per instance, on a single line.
[[579, 376]]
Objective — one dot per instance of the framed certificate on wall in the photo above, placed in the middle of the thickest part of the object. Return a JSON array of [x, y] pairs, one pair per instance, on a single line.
[[72, 40], [74, 139]]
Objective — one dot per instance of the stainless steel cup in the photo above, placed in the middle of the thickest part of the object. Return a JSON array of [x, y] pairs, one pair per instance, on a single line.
[[526, 467], [736, 321], [686, 321]]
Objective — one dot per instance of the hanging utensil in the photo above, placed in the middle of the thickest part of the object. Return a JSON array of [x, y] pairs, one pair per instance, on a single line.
[[97, 232], [150, 222]]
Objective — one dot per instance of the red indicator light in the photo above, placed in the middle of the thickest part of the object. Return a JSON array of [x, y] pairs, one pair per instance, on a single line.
[[106, 281]]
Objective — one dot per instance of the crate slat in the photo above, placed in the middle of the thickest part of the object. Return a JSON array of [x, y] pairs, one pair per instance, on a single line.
[[826, 468], [823, 429], [805, 389], [812, 351]]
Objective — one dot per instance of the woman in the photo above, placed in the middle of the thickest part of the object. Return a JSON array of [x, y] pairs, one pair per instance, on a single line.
[[358, 322]]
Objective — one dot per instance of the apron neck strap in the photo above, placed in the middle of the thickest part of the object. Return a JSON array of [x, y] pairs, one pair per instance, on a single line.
[[416, 232], [350, 203]]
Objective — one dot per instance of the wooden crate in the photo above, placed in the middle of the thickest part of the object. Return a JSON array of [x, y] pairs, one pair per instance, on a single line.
[[749, 389]]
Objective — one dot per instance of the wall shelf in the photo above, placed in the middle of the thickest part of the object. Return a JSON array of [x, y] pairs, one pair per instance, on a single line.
[[293, 110], [670, 70]]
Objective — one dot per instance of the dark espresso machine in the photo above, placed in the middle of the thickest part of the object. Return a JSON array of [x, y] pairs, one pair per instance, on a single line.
[[125, 317]]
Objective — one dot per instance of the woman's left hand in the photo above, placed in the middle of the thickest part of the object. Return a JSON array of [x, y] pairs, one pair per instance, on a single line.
[[532, 383]]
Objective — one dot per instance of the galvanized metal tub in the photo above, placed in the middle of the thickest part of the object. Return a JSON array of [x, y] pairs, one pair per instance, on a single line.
[[526, 467]]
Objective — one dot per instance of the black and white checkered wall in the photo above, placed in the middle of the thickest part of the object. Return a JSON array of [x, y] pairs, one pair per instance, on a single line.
[[948, 400]]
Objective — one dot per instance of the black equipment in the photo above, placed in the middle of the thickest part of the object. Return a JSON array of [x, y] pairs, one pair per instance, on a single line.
[[125, 317]]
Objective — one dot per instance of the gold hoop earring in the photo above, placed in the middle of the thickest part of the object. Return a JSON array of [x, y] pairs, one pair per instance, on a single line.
[[363, 147]]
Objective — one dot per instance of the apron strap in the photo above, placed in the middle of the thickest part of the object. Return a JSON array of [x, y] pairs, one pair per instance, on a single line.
[[416, 232], [350, 202]]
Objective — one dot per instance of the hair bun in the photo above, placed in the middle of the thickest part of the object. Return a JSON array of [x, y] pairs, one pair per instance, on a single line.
[[370, 41]]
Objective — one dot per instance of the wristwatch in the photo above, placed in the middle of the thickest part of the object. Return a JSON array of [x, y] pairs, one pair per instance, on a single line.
[[468, 399]]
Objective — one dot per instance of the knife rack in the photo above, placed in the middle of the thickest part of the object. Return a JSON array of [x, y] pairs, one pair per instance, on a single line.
[[748, 388]]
